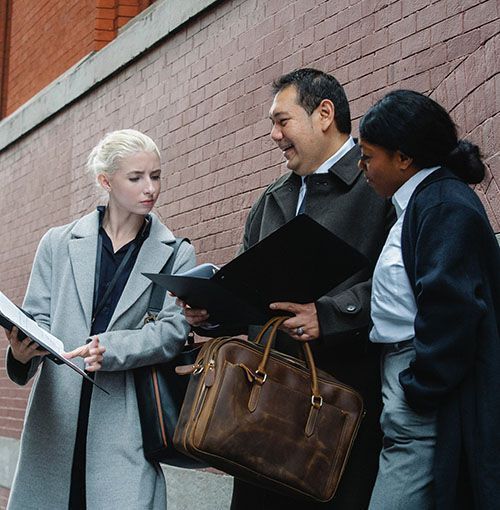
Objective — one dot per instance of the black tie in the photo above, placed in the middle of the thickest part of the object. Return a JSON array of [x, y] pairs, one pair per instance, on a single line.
[[302, 206]]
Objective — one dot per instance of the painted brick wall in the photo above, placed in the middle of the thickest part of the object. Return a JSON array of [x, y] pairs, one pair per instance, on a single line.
[[203, 94]]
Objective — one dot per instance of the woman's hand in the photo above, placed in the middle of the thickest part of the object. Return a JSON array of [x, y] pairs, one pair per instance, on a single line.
[[23, 350], [92, 354]]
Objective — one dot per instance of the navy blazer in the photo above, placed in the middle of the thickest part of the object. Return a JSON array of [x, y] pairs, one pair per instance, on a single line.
[[452, 260]]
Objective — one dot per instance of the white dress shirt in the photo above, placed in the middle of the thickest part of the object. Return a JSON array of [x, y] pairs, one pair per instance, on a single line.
[[393, 307], [323, 169]]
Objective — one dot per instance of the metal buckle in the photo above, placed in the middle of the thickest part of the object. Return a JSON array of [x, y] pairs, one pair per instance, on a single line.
[[150, 317], [317, 403], [260, 377], [198, 368]]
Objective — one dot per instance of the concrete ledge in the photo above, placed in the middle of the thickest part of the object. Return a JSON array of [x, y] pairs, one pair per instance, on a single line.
[[189, 489], [144, 31]]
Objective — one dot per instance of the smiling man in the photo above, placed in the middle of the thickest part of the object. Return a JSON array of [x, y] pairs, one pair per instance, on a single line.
[[311, 125]]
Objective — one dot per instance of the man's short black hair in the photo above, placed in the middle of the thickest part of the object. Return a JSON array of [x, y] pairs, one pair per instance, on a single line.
[[312, 87]]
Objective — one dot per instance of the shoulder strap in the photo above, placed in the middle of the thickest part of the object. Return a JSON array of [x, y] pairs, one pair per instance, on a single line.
[[158, 293]]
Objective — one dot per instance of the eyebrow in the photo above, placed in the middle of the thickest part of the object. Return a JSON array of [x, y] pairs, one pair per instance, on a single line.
[[277, 114], [140, 172]]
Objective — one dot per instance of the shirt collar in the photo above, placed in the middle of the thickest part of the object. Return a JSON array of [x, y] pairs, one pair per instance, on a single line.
[[402, 196], [348, 145]]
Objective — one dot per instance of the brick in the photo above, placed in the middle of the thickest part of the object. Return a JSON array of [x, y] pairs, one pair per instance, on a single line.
[[415, 43], [431, 15], [388, 15], [109, 4], [104, 24], [464, 44], [104, 36], [446, 29], [374, 41], [105, 13], [402, 28], [476, 16]]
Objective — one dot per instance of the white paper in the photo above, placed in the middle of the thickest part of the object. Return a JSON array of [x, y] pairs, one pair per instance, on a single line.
[[10, 311], [42, 337]]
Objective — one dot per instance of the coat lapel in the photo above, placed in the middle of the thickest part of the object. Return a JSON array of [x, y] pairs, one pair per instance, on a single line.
[[346, 168], [285, 193], [152, 257], [82, 253]]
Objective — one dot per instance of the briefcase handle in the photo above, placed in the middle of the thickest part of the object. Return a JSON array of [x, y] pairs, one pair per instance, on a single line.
[[260, 374]]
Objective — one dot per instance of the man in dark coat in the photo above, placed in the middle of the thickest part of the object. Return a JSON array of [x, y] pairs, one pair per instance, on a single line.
[[311, 125]]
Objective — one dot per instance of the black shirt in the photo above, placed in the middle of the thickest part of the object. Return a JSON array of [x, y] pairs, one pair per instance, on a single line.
[[106, 268]]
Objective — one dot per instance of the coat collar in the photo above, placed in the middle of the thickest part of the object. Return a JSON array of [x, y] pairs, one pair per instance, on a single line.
[[82, 251], [285, 190]]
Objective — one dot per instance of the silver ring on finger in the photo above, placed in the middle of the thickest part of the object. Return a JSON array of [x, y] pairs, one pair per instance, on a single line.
[[299, 331]]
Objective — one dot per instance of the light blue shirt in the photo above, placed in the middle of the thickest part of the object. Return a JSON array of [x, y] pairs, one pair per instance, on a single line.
[[393, 307], [323, 169]]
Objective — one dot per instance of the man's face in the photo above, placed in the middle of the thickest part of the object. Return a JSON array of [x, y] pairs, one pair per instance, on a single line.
[[296, 133]]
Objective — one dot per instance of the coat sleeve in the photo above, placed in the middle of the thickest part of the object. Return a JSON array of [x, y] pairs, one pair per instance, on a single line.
[[449, 292], [37, 302], [155, 342]]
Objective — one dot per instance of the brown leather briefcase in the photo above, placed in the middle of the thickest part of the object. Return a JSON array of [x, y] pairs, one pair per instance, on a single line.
[[268, 418]]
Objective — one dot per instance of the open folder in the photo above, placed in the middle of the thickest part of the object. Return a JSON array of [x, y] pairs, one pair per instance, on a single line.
[[11, 315], [299, 263]]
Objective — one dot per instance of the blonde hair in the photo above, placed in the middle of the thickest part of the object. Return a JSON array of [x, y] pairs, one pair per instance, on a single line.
[[105, 157]]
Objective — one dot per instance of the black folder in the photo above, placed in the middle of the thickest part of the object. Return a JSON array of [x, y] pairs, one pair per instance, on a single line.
[[299, 263]]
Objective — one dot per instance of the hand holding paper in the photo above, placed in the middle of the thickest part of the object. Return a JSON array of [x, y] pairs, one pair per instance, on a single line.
[[13, 318], [23, 350]]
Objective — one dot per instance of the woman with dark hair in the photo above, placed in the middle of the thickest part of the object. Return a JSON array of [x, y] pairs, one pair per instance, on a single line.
[[436, 310]]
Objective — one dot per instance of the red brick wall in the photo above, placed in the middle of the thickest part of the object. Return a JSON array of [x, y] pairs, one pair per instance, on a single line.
[[203, 94], [47, 38], [111, 15], [4, 50]]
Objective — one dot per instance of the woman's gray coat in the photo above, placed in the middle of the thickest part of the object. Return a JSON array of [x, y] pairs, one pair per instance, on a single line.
[[59, 296]]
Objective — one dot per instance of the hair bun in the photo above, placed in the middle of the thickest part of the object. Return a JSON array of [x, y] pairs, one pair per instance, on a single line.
[[465, 161]]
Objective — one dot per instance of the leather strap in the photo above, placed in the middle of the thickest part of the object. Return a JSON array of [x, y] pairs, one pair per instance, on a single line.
[[158, 293], [274, 324], [112, 283]]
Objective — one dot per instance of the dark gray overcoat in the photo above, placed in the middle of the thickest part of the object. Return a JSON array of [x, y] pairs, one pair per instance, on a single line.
[[342, 201]]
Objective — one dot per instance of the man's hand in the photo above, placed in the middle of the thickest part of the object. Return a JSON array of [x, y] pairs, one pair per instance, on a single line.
[[23, 350], [92, 354], [304, 326], [196, 317]]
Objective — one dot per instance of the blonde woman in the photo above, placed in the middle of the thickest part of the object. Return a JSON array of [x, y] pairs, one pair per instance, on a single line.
[[82, 448]]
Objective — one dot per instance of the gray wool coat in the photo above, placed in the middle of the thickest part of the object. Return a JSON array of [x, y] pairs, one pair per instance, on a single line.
[[59, 296]]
